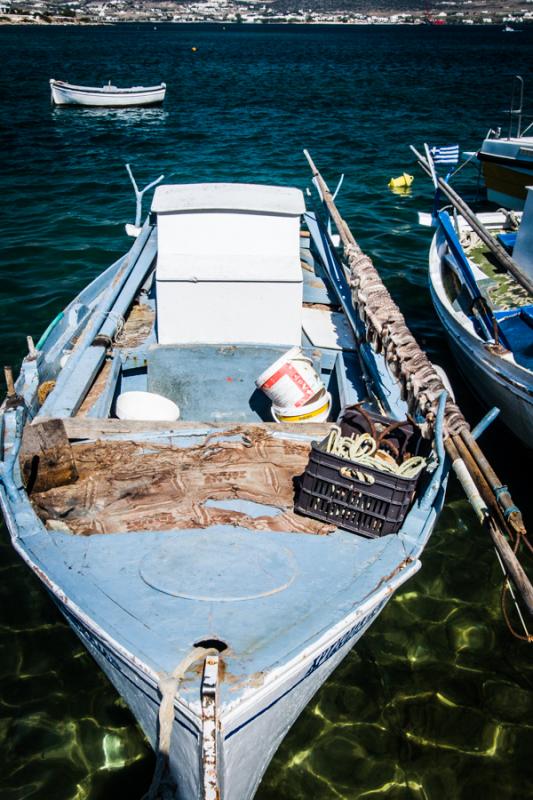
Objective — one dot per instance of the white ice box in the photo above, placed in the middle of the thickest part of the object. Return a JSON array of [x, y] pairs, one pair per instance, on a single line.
[[228, 264]]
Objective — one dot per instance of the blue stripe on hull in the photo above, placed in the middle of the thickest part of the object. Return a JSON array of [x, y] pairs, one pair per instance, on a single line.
[[116, 661]]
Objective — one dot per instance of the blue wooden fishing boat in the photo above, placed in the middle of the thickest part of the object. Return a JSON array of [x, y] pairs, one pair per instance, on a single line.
[[481, 283], [172, 546]]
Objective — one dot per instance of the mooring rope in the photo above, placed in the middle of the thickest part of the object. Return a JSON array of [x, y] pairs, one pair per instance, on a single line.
[[388, 332], [162, 784], [364, 451]]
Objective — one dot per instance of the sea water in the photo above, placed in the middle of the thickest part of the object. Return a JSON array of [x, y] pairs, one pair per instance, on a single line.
[[436, 701]]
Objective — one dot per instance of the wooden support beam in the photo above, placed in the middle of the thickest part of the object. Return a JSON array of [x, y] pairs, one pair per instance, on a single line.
[[87, 428], [46, 457]]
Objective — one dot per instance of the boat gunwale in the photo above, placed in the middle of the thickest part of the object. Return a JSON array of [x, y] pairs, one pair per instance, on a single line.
[[105, 90], [511, 372]]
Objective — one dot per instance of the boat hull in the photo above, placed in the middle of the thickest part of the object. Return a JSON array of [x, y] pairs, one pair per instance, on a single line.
[[87, 96], [280, 658], [247, 744], [507, 170], [494, 381]]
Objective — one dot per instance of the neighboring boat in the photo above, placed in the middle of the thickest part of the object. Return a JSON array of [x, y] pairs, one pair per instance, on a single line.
[[486, 312], [69, 94], [507, 162], [171, 547]]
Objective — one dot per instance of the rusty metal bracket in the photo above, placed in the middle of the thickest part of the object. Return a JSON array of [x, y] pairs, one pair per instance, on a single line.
[[209, 699]]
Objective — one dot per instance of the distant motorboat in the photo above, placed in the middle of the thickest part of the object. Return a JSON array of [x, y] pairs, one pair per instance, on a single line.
[[70, 94], [507, 161], [508, 29]]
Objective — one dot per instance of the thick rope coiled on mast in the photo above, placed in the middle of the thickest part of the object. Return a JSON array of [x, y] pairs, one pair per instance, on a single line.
[[388, 333]]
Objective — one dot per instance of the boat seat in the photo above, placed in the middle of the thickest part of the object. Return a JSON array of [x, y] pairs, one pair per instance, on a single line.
[[315, 290], [215, 382], [516, 326], [507, 240]]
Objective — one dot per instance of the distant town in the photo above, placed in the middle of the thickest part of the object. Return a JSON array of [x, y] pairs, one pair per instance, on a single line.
[[510, 16]]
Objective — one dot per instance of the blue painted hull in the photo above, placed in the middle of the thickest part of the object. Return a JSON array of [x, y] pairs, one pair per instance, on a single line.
[[287, 604]]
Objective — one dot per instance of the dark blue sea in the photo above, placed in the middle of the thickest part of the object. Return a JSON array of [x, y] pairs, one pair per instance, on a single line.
[[436, 701]]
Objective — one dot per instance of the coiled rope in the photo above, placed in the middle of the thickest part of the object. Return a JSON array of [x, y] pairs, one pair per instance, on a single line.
[[162, 784], [363, 450]]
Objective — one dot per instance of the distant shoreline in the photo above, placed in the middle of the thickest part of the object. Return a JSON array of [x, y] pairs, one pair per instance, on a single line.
[[7, 20]]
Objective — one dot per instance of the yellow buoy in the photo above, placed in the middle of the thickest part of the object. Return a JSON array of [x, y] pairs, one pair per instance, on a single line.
[[403, 182], [194, 49]]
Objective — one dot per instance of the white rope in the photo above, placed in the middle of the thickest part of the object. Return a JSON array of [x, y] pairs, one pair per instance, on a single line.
[[363, 450], [115, 317], [162, 784]]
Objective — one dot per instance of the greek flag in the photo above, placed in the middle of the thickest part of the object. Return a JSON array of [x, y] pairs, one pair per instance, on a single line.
[[449, 154]]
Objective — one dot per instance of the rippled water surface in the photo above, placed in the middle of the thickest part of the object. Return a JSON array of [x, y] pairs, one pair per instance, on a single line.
[[436, 701]]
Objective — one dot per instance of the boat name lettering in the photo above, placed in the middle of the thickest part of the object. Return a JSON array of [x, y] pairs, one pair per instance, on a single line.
[[336, 646], [93, 641]]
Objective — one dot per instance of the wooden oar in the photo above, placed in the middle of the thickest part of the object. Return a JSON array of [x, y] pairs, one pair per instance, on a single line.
[[491, 500], [512, 566]]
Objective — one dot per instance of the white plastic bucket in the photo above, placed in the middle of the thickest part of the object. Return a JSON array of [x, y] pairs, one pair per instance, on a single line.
[[146, 406], [291, 380], [317, 411]]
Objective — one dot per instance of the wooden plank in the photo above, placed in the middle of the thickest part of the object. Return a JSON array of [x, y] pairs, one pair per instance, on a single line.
[[87, 428], [102, 405], [328, 329], [95, 391]]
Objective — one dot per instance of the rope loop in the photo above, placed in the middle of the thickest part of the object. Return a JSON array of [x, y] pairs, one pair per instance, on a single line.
[[499, 490], [511, 510], [363, 450]]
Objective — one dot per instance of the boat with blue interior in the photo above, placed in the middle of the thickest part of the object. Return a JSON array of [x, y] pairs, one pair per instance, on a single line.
[[219, 553], [481, 283]]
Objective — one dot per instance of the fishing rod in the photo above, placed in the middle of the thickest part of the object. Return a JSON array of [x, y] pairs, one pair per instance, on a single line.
[[491, 500]]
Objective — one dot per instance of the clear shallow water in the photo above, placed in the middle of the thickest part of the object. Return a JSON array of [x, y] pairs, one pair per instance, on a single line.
[[436, 702]]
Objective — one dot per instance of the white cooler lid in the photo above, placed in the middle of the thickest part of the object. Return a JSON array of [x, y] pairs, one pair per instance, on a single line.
[[250, 197]]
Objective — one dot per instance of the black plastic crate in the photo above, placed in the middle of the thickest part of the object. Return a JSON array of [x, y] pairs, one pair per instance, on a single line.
[[331, 491]]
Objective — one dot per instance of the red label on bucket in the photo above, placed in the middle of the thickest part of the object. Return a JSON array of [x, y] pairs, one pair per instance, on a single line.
[[288, 371]]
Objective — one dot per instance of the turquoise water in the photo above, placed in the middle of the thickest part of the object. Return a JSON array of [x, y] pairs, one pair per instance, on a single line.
[[436, 702]]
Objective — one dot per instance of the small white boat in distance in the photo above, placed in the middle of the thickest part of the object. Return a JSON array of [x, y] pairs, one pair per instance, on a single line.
[[69, 94]]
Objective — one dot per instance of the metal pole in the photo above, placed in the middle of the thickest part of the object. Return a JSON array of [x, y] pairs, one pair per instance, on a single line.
[[476, 476]]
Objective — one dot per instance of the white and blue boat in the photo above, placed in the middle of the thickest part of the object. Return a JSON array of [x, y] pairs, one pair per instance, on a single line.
[[172, 548], [486, 312], [107, 96]]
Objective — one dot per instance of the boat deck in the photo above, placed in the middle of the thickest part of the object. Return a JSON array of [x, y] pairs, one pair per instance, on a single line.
[[176, 533], [501, 289], [242, 476], [265, 595]]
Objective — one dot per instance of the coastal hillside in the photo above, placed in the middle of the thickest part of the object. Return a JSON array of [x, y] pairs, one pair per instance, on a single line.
[[438, 12]]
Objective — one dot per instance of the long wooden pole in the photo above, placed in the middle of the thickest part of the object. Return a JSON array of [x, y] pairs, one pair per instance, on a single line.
[[494, 246], [474, 472]]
